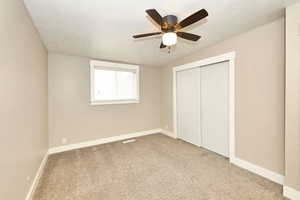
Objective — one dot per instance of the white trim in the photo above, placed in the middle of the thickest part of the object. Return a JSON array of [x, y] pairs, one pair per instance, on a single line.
[[37, 178], [232, 107], [113, 102], [208, 61], [95, 63], [112, 64], [175, 103], [168, 133], [291, 193], [59, 149], [273, 176]]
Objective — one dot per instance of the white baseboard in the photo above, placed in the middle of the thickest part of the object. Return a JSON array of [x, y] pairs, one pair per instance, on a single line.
[[36, 178], [273, 176], [168, 133], [291, 193], [101, 141]]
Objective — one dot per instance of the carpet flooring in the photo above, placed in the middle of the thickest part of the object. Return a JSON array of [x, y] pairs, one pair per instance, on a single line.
[[155, 167]]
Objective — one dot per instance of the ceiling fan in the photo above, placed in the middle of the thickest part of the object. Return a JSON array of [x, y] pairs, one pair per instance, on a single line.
[[170, 28]]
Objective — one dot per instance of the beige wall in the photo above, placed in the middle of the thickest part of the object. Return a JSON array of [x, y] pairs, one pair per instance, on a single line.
[[292, 120], [23, 100], [259, 93], [72, 117]]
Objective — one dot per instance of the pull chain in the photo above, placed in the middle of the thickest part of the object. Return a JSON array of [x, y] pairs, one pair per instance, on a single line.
[[169, 49]]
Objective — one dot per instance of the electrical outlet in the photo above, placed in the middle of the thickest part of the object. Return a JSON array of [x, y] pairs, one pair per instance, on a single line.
[[28, 178], [64, 140], [166, 127]]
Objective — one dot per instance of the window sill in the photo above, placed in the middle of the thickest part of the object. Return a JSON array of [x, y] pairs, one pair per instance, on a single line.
[[95, 103]]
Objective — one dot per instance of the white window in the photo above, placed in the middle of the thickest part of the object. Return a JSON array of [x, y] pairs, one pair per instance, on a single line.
[[113, 83]]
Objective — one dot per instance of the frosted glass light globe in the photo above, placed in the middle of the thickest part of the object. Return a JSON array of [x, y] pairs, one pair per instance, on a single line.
[[169, 38]]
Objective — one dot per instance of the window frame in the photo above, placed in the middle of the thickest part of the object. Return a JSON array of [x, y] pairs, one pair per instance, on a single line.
[[112, 65]]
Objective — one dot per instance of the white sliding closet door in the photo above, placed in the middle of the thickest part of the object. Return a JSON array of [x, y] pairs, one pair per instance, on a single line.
[[188, 105], [215, 107]]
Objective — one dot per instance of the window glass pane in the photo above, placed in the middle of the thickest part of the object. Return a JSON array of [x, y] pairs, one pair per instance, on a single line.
[[125, 85], [114, 85], [105, 85]]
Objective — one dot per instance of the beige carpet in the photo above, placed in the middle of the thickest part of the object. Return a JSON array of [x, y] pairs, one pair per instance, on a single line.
[[155, 167]]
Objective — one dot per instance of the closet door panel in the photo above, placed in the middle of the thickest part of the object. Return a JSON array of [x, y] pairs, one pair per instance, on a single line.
[[188, 105], [214, 107]]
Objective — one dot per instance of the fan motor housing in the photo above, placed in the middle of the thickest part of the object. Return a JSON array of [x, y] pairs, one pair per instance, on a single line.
[[170, 19], [169, 22]]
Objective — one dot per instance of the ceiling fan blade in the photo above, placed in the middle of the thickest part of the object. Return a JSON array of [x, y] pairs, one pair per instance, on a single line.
[[193, 18], [162, 45], [146, 35], [188, 36], [155, 16]]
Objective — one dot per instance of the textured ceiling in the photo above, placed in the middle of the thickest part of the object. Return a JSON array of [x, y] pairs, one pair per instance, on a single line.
[[104, 29]]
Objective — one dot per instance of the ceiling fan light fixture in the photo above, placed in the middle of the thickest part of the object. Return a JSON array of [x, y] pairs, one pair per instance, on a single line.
[[170, 27], [169, 38]]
